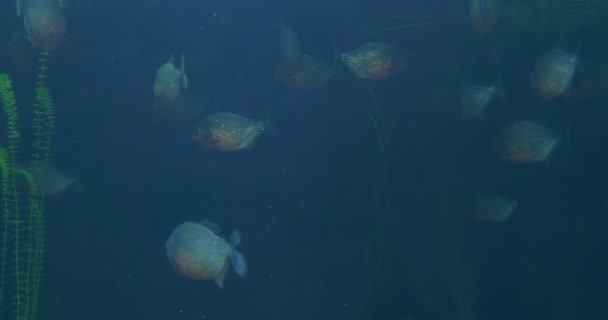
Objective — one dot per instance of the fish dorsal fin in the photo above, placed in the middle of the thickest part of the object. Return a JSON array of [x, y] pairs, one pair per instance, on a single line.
[[172, 59], [235, 238], [211, 226]]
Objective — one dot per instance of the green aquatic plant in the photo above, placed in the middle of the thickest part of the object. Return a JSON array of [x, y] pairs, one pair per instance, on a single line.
[[550, 22], [449, 207], [534, 23], [394, 23], [22, 251], [10, 196], [379, 251], [43, 125], [43, 122], [463, 291]]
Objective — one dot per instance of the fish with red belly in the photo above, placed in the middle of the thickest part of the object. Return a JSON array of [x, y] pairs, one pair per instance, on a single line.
[[224, 131], [553, 73], [374, 61], [525, 142], [44, 23], [196, 251], [485, 14]]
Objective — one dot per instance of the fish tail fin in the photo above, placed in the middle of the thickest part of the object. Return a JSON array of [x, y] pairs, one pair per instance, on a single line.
[[549, 158], [337, 66], [184, 77], [578, 70], [500, 91], [268, 127], [236, 258], [238, 263], [548, 161], [496, 58], [568, 136], [77, 183]]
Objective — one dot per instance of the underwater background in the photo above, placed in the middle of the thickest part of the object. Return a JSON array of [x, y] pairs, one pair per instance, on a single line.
[[358, 204]]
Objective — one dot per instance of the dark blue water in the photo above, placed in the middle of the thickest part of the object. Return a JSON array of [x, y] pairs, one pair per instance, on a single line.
[[303, 198]]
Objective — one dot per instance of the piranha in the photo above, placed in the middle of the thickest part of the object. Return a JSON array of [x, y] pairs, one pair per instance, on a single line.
[[46, 180], [44, 23], [553, 73], [374, 61], [226, 131], [491, 207], [196, 251], [474, 99], [485, 14], [314, 73], [525, 142], [171, 82], [298, 70], [291, 53]]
